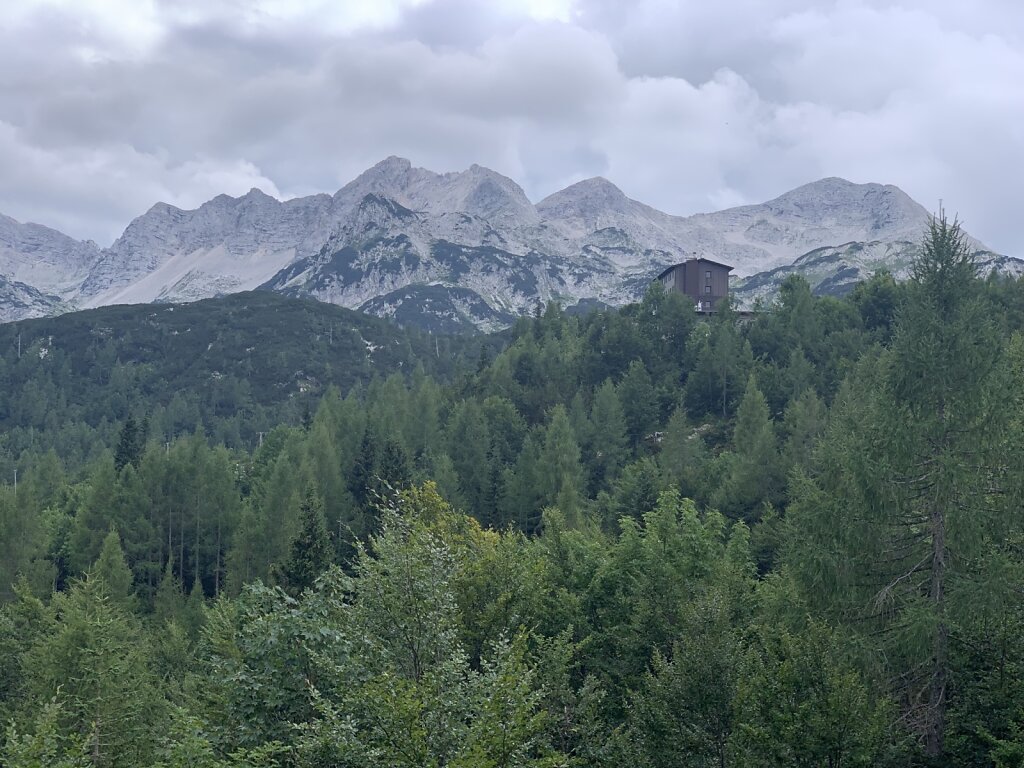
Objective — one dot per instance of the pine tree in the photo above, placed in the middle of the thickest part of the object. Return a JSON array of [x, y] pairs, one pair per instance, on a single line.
[[684, 457], [521, 496], [469, 443], [364, 468], [639, 402], [724, 360], [169, 600], [94, 662], [754, 471]]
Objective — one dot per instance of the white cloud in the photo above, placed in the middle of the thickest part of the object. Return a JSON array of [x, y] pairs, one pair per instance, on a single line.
[[106, 107]]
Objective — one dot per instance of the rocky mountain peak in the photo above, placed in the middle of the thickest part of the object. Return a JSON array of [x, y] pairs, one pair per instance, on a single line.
[[392, 164], [391, 177], [596, 190], [850, 201], [482, 192], [258, 194], [594, 204], [403, 239], [43, 258]]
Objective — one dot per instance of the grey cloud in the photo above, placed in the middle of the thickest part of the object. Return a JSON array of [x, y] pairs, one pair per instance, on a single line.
[[687, 106]]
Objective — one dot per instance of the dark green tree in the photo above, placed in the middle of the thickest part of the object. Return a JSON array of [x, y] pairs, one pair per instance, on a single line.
[[111, 567], [753, 470], [639, 402], [311, 550], [559, 473], [129, 445]]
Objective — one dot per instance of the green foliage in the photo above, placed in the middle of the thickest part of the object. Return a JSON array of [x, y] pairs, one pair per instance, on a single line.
[[111, 568], [311, 550], [93, 665], [532, 568], [753, 474], [799, 704], [234, 365], [683, 713], [129, 445], [904, 513], [45, 746]]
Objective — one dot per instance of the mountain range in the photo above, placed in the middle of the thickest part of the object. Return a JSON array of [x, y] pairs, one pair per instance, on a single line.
[[446, 251]]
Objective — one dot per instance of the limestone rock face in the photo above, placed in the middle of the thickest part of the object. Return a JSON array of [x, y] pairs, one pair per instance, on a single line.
[[465, 249]]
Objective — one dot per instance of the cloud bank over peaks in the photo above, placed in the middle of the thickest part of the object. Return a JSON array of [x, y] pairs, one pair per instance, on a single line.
[[106, 107]]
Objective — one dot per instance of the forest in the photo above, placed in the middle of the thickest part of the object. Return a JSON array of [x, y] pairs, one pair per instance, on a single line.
[[630, 537]]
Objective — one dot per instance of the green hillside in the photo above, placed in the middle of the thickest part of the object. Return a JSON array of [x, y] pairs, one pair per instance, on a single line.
[[236, 365]]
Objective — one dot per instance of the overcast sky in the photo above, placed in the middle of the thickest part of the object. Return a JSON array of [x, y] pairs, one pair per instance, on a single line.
[[107, 106]]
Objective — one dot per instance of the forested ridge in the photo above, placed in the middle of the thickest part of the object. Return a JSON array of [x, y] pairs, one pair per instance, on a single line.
[[634, 537], [235, 366]]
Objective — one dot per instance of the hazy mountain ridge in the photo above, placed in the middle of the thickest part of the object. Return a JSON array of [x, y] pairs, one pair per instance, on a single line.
[[465, 248], [43, 258]]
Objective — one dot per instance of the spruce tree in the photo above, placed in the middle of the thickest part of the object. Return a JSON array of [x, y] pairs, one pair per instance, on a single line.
[[754, 471], [169, 600], [129, 445], [311, 551], [639, 401], [469, 444], [94, 661]]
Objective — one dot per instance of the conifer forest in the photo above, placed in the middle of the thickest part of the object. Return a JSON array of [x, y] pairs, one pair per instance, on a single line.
[[634, 537]]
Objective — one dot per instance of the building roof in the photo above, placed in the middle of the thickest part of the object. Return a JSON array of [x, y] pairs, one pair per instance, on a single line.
[[705, 261]]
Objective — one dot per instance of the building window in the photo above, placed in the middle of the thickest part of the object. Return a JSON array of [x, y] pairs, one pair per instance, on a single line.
[[707, 289], [707, 274]]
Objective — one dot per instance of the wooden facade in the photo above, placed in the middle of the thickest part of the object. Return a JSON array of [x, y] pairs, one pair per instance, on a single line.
[[703, 280]]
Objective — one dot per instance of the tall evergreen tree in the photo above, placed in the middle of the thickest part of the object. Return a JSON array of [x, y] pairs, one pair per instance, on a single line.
[[521, 494], [95, 665], [111, 567], [639, 401], [469, 443], [311, 550], [560, 476], [724, 360], [609, 438], [894, 530], [754, 473], [129, 445]]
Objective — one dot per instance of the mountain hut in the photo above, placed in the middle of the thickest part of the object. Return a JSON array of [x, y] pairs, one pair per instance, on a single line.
[[703, 280]]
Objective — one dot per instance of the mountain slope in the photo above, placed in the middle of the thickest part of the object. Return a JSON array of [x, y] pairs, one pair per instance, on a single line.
[[255, 357], [441, 250], [43, 258], [18, 301], [835, 270], [225, 246]]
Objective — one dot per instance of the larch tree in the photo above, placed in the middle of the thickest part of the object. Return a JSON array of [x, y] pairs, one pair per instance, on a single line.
[[904, 505]]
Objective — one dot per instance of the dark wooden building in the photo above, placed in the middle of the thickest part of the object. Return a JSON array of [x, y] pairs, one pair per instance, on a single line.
[[703, 280]]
